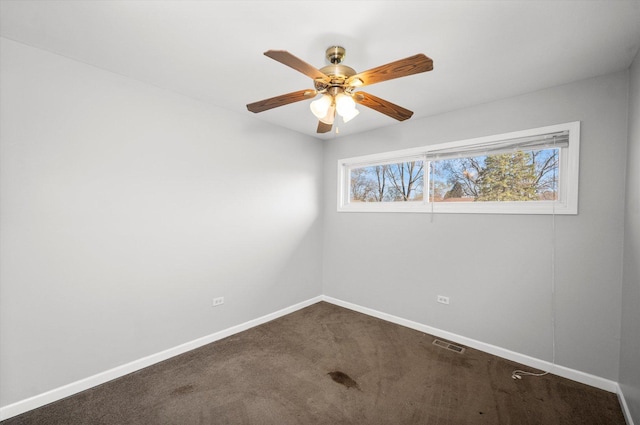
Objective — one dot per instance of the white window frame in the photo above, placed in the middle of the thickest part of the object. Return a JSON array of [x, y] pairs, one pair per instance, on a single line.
[[568, 173]]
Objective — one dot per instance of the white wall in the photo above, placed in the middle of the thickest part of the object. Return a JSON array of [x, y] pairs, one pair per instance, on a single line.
[[127, 208], [630, 339], [497, 268]]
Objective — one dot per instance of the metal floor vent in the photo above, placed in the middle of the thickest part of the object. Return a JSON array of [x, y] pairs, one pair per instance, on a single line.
[[448, 346]]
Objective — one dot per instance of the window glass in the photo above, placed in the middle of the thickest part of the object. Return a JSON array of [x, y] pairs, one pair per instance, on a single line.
[[396, 182], [512, 176]]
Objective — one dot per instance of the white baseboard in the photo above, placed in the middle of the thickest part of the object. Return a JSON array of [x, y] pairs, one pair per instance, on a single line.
[[565, 372], [59, 393], [625, 407]]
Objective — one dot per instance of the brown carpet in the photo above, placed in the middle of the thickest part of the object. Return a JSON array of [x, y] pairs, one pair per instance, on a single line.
[[329, 365]]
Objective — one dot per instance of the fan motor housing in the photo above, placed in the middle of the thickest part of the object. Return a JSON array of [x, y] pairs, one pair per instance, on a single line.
[[338, 71]]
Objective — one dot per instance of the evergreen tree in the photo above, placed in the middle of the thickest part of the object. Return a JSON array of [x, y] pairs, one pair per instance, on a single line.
[[508, 177], [455, 192]]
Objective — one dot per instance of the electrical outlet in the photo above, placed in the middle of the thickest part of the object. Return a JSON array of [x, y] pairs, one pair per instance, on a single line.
[[218, 301], [442, 299]]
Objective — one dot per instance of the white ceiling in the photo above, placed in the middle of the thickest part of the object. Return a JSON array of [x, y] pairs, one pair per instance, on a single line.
[[212, 50]]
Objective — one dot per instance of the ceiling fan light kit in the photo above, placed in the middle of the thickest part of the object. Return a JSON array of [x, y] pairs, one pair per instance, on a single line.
[[320, 106], [337, 82], [330, 115]]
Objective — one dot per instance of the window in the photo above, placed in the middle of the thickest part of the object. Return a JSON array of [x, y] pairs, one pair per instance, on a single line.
[[526, 172], [388, 182]]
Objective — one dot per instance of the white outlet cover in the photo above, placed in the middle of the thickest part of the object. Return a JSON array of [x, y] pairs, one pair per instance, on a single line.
[[442, 299]]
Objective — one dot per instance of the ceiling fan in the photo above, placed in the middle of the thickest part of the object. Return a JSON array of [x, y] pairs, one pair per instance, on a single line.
[[337, 84]]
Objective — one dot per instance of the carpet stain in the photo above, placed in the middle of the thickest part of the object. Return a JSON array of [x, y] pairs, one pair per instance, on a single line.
[[343, 379], [185, 389]]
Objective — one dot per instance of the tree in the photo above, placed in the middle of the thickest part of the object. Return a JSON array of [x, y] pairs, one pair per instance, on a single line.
[[508, 177], [402, 181], [474, 174], [406, 179], [455, 192], [437, 190], [360, 185], [464, 171], [381, 179], [546, 164]]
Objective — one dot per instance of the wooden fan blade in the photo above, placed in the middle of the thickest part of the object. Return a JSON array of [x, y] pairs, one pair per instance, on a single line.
[[281, 100], [384, 106], [401, 68], [324, 128], [298, 64]]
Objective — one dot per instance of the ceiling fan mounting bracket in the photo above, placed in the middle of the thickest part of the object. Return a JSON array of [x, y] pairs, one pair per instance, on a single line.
[[336, 54]]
